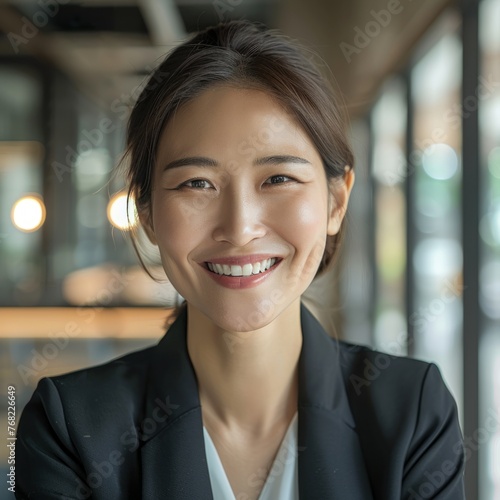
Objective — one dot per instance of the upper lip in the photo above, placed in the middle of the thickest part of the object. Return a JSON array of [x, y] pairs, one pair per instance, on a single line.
[[242, 260]]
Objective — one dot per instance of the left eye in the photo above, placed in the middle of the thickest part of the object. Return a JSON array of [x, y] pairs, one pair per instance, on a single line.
[[195, 184], [279, 179]]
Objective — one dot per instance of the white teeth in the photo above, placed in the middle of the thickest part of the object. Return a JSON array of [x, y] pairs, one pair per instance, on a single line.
[[236, 271], [246, 270]]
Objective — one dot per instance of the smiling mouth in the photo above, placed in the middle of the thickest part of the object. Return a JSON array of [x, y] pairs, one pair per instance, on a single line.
[[243, 271]]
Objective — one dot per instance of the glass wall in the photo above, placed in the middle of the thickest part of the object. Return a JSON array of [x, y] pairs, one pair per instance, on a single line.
[[416, 181], [21, 186], [389, 121], [424, 184], [59, 150], [61, 238], [435, 167], [489, 279]]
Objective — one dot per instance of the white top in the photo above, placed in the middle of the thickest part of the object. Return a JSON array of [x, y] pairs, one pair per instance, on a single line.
[[282, 482]]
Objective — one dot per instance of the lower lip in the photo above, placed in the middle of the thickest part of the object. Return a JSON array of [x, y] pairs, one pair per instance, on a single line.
[[241, 281]]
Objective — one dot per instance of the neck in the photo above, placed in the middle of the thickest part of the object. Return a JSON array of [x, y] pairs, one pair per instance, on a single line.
[[247, 380]]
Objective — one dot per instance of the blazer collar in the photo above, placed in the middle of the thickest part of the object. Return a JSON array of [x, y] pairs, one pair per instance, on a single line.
[[330, 462]]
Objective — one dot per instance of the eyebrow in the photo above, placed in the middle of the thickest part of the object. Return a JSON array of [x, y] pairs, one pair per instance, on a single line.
[[202, 161]]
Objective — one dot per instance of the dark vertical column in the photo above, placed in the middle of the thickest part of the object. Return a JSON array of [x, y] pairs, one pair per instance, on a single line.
[[409, 189], [372, 228], [470, 237], [63, 108], [48, 195]]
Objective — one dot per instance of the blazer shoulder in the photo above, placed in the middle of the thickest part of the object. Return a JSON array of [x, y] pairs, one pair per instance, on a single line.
[[392, 389], [363, 362], [394, 384], [77, 420]]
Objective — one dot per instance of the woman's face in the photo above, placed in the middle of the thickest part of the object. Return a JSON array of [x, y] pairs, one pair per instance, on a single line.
[[238, 182]]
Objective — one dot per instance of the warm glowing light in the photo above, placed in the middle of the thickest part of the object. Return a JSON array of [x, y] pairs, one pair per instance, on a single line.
[[117, 212], [28, 213]]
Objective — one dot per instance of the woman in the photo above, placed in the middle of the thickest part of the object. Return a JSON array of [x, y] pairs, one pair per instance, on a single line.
[[241, 173]]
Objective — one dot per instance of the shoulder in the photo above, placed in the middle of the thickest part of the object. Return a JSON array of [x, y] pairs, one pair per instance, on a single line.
[[98, 401], [77, 420], [115, 384], [405, 418], [368, 370], [398, 399], [393, 392]]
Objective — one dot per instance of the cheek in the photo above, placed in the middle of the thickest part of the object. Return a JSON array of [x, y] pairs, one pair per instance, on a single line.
[[178, 226], [305, 218], [182, 225], [305, 229]]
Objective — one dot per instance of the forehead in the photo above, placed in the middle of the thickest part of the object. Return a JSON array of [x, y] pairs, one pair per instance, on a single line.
[[232, 121]]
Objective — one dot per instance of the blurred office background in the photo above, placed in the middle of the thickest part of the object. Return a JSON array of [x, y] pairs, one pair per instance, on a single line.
[[421, 81]]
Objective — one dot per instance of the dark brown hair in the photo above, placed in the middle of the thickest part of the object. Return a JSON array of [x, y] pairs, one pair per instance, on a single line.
[[248, 55]]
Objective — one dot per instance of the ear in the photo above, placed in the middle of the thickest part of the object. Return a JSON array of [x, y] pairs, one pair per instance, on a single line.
[[147, 224], [339, 192]]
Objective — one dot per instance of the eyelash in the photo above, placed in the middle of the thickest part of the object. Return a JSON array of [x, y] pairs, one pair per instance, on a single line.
[[184, 184]]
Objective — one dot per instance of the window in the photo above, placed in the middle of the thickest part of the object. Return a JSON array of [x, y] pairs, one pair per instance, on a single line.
[[489, 230], [435, 164]]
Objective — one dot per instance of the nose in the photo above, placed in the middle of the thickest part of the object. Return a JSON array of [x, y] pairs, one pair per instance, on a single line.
[[239, 216]]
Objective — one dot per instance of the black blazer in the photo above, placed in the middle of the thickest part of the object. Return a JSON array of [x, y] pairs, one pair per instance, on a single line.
[[370, 426]]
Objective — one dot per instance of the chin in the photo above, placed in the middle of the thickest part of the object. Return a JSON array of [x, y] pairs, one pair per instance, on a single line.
[[244, 319]]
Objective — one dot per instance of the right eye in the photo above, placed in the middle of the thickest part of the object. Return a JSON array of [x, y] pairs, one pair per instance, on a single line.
[[195, 184]]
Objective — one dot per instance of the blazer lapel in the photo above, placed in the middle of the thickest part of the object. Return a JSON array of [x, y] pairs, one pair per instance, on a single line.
[[173, 452], [330, 461]]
